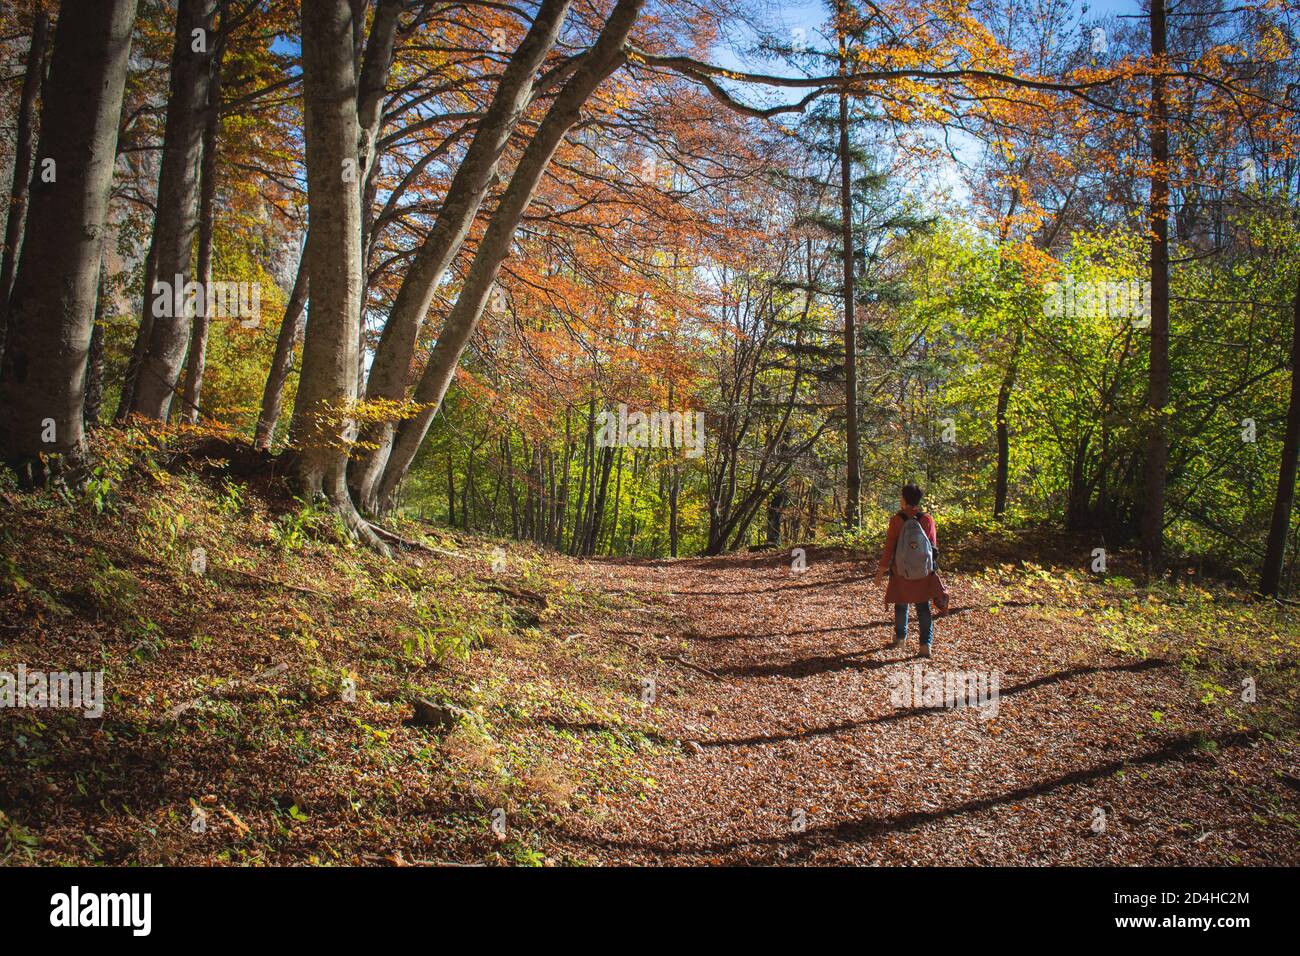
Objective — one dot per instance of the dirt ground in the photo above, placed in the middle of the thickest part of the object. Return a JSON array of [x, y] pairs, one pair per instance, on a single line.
[[796, 748]]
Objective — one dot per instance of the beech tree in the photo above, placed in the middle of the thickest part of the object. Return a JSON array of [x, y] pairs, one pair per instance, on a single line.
[[52, 304], [1284, 500], [322, 426], [604, 57], [1157, 452], [196, 358], [390, 373], [166, 324], [503, 268], [22, 161]]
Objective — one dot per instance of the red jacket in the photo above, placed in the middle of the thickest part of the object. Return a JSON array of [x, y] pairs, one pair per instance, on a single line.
[[901, 590]]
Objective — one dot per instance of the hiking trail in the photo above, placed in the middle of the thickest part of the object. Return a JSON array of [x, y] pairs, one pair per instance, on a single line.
[[794, 751]]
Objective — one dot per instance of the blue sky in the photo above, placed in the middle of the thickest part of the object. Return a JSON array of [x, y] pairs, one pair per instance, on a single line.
[[811, 15]]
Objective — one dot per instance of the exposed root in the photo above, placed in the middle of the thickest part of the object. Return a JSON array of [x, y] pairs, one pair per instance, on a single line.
[[519, 594], [331, 484], [275, 583], [674, 658], [68, 470], [357, 526], [408, 543], [233, 458]]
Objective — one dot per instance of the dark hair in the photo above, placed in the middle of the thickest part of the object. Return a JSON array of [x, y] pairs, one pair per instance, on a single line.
[[912, 494]]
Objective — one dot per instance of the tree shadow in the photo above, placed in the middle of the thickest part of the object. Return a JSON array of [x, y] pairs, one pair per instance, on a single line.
[[808, 666], [869, 625], [815, 838], [767, 558], [764, 635], [831, 730], [851, 831], [806, 585]]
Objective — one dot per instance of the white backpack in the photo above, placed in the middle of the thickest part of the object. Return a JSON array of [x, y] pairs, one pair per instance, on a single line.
[[914, 555]]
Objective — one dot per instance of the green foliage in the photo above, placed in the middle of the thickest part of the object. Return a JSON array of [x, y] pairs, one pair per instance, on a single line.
[[230, 501], [15, 839], [293, 529], [114, 590], [1076, 383], [440, 633]]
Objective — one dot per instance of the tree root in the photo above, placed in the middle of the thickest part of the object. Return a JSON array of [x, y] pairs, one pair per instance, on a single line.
[[362, 529], [409, 544], [278, 584], [519, 594], [275, 671], [676, 659]]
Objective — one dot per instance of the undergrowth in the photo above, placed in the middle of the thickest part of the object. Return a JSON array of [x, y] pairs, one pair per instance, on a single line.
[[260, 674]]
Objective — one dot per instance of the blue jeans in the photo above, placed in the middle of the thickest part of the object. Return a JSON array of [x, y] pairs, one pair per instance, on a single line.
[[923, 618]]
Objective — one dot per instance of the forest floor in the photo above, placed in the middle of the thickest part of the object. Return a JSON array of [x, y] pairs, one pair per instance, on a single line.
[[1100, 750], [261, 704]]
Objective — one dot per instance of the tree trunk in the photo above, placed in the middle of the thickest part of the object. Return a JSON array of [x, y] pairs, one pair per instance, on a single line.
[[372, 85], [1153, 514], [507, 453], [775, 508], [451, 491], [373, 82], [597, 500], [322, 429], [1004, 431], [22, 162], [605, 56], [674, 484], [562, 498], [390, 372], [467, 494], [494, 510], [291, 332], [854, 483], [618, 495], [530, 492], [52, 305], [674, 492], [197, 360], [1284, 501], [95, 360], [637, 480], [575, 538], [548, 529], [141, 345], [177, 219]]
